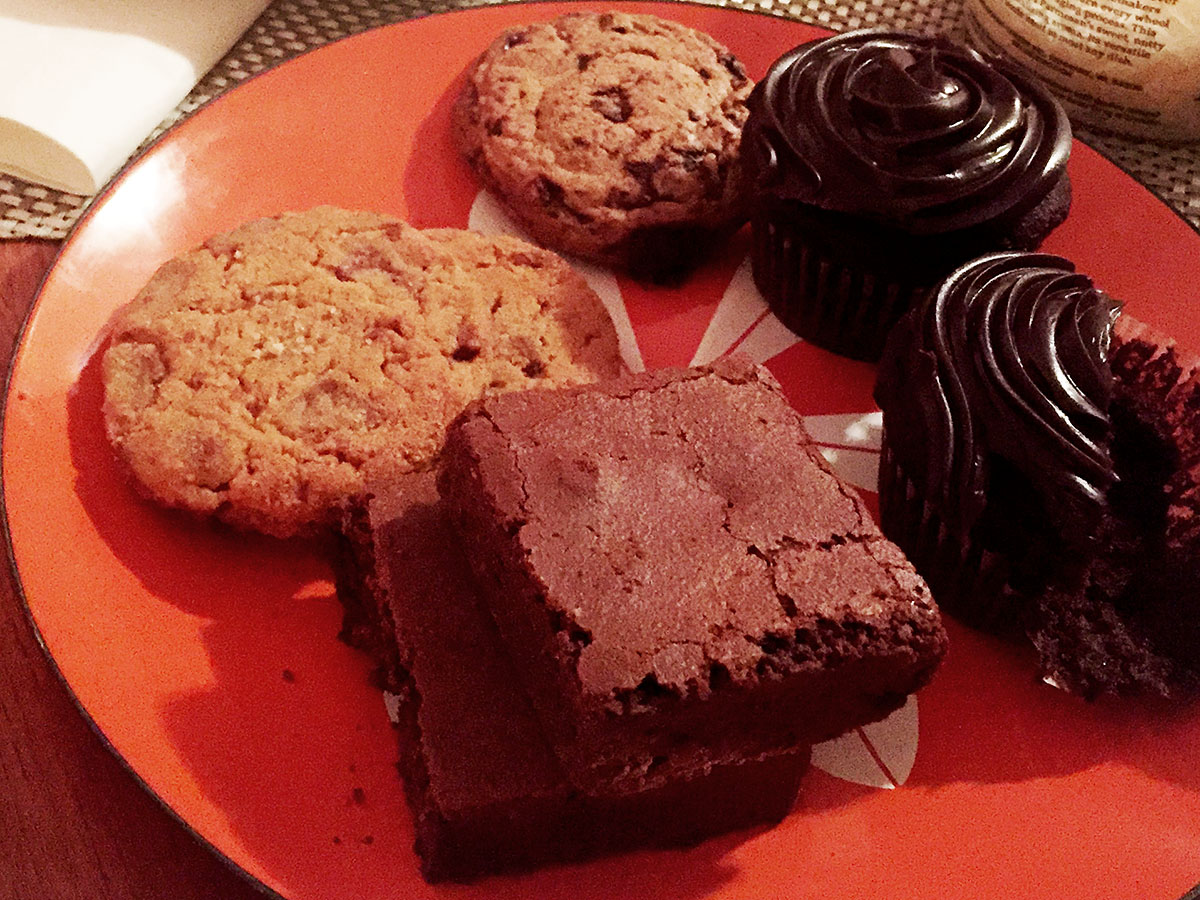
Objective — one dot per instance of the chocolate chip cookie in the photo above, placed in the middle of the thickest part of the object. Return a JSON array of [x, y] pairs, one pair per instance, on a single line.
[[271, 373], [609, 135]]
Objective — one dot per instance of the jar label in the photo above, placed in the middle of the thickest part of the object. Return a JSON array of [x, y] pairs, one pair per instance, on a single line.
[[1127, 66]]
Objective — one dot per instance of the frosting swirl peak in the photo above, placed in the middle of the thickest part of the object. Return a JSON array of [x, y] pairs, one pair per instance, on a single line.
[[1006, 363], [914, 131]]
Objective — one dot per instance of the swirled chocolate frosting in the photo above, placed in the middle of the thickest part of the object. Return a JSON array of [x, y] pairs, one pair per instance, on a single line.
[[912, 131], [1005, 361]]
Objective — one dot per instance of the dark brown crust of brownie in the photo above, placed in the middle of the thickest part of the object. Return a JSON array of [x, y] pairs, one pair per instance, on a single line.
[[770, 609], [486, 793], [366, 621]]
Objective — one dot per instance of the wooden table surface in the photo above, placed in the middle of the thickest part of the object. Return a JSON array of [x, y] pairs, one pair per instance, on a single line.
[[73, 821]]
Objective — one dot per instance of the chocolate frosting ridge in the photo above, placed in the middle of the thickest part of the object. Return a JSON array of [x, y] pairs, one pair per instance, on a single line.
[[1008, 360], [913, 131]]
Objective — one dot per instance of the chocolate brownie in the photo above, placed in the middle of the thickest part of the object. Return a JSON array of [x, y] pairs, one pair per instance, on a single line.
[[1041, 467], [486, 791], [612, 135], [269, 374], [679, 576]]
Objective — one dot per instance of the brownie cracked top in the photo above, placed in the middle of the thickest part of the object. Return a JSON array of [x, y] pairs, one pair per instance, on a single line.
[[689, 534]]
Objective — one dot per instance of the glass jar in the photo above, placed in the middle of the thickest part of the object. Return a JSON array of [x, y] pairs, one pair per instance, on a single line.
[[1130, 67]]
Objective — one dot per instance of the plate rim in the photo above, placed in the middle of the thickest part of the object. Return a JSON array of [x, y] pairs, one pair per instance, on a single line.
[[113, 184]]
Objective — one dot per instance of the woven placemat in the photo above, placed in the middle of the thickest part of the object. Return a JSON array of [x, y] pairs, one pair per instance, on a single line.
[[290, 27]]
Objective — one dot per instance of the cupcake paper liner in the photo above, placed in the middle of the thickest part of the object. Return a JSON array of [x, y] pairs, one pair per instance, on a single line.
[[966, 579], [835, 303]]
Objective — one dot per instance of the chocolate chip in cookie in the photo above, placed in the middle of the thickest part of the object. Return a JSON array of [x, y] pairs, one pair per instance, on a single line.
[[607, 134]]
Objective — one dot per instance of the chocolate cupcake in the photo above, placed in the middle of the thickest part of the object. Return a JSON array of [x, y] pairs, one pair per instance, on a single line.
[[1040, 465], [878, 162]]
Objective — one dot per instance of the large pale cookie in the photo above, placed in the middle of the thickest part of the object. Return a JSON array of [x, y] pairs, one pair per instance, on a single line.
[[269, 374], [609, 135]]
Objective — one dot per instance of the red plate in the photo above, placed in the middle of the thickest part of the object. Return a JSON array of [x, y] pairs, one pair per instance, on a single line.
[[210, 661]]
